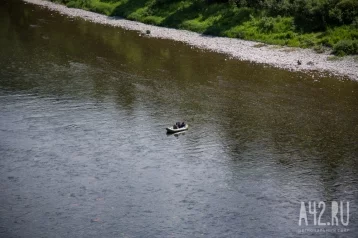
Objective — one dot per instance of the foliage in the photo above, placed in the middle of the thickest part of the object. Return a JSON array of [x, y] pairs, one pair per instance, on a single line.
[[79, 4], [319, 49], [345, 47]]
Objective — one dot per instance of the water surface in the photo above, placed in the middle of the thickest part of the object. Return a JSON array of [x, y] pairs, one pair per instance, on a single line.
[[83, 149]]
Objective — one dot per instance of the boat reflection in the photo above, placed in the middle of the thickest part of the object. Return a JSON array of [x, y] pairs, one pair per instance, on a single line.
[[176, 134]]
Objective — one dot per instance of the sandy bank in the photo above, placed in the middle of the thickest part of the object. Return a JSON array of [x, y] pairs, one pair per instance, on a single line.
[[282, 57]]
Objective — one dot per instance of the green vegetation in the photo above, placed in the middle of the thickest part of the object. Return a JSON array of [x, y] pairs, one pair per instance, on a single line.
[[318, 24]]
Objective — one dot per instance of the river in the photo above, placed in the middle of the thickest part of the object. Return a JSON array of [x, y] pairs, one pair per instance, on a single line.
[[84, 153]]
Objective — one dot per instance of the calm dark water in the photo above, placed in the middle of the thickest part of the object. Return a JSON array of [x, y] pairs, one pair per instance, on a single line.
[[83, 149]]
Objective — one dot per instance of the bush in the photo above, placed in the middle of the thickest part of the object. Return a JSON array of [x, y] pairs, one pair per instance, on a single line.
[[346, 47], [349, 9], [266, 24], [85, 4], [240, 35], [319, 49], [326, 42], [101, 7], [310, 15], [355, 23]]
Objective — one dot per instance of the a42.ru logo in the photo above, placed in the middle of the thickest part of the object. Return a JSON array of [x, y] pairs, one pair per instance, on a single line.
[[339, 213]]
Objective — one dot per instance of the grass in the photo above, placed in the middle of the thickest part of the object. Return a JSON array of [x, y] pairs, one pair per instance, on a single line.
[[220, 20]]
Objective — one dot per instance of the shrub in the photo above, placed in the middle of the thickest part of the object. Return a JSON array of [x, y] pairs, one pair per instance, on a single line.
[[101, 7], [310, 15], [346, 47], [319, 49], [240, 35], [335, 15], [79, 3], [326, 42], [349, 9], [266, 24], [355, 23]]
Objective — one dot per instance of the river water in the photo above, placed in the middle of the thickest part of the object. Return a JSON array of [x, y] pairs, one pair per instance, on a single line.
[[84, 153]]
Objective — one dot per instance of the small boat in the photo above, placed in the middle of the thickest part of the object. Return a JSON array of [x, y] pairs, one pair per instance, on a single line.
[[172, 130]]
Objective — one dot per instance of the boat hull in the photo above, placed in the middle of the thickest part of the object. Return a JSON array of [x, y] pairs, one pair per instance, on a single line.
[[172, 130]]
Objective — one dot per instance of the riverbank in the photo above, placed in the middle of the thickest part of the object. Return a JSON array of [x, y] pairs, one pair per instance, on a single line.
[[277, 56]]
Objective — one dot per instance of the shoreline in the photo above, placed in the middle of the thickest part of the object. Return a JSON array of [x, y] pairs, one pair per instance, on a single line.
[[255, 52]]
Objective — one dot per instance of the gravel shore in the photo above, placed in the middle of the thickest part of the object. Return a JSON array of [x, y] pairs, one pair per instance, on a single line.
[[282, 57]]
